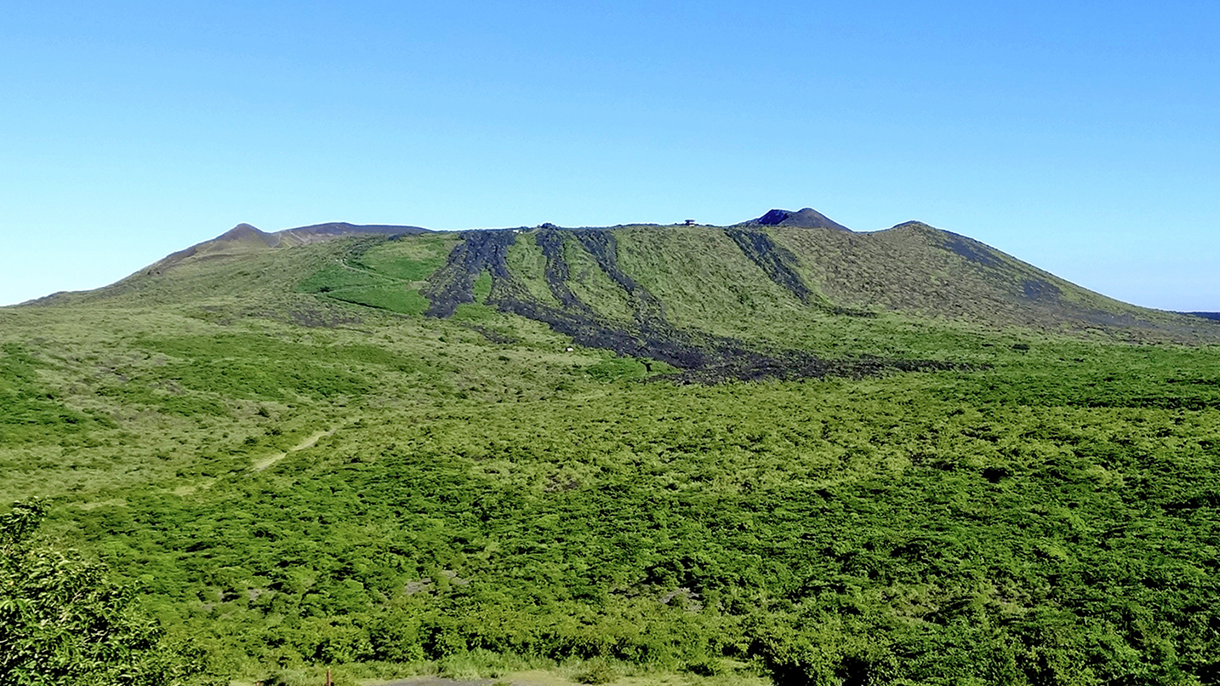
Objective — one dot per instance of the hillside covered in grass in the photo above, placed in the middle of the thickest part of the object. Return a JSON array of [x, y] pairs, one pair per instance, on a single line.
[[783, 452]]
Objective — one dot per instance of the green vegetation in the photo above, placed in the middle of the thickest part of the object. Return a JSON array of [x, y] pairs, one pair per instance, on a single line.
[[526, 261], [27, 413], [706, 282], [287, 478], [62, 622], [386, 276], [591, 284], [411, 258]]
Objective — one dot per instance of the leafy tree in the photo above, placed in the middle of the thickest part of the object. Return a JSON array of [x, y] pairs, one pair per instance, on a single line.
[[63, 622]]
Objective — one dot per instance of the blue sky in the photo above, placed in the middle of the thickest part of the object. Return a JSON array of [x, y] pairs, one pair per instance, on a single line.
[[1080, 136]]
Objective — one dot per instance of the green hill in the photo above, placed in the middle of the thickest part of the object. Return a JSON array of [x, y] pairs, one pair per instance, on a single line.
[[778, 451], [674, 293]]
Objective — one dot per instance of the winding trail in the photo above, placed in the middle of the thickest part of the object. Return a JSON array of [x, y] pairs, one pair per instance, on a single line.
[[271, 459]]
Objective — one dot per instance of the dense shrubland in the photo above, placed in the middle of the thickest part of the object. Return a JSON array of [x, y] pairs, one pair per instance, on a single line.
[[62, 621]]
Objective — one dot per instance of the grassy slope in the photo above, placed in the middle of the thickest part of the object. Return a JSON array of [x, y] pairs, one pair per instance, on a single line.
[[526, 261], [1049, 518], [913, 268], [704, 280], [592, 286], [706, 283]]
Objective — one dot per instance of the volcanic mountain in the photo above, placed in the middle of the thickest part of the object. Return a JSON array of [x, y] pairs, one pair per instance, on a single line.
[[768, 293], [808, 218]]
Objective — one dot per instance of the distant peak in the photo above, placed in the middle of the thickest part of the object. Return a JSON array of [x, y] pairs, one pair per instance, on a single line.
[[240, 231], [774, 217], [807, 218], [914, 224]]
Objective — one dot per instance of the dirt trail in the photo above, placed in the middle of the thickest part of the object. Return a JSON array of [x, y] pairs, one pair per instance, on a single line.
[[271, 459]]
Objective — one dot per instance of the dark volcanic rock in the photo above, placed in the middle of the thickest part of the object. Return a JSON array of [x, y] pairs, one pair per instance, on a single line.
[[557, 272], [773, 217], [807, 218], [648, 311], [703, 358], [971, 249], [777, 262], [1037, 289], [453, 284]]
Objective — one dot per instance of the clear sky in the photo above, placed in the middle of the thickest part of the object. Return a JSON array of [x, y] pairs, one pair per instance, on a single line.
[[1083, 137]]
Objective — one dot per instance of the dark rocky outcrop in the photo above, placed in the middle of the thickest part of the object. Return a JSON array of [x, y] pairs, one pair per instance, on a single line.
[[701, 357], [979, 253], [807, 218], [453, 284], [778, 263]]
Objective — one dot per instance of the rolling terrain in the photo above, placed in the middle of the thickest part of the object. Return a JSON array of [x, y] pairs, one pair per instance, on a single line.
[[776, 451]]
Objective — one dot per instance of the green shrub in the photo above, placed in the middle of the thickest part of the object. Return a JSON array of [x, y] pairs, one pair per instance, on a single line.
[[63, 622], [597, 671], [706, 666]]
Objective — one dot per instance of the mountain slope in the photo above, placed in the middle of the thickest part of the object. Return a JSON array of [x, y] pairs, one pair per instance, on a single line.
[[244, 239], [918, 269], [709, 278], [244, 263], [787, 298], [768, 282]]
